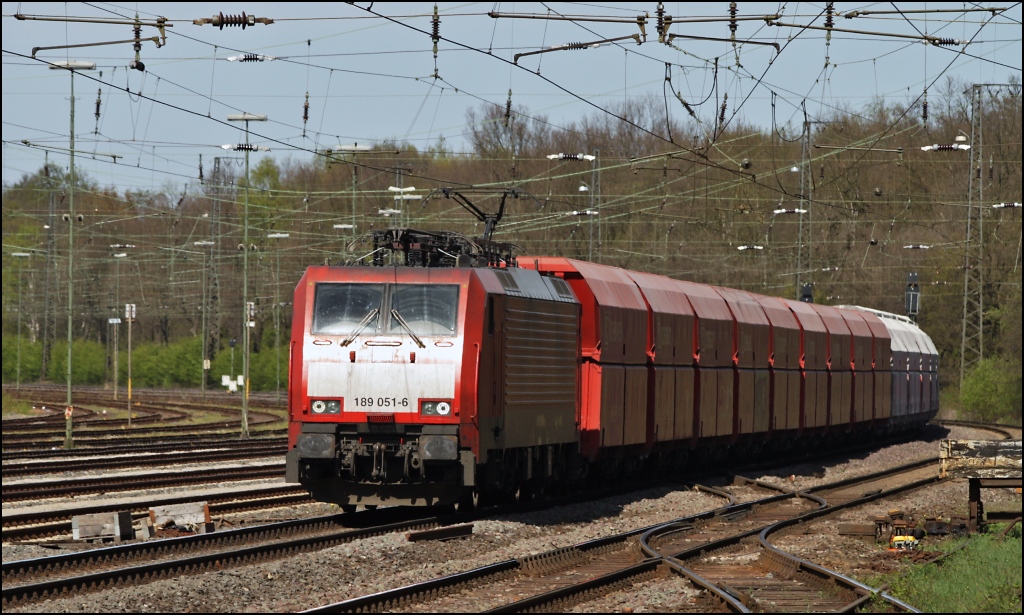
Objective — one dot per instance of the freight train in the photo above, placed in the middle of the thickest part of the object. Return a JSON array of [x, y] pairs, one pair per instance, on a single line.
[[425, 385]]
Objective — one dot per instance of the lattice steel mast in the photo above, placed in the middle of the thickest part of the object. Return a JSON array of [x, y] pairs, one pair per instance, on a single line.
[[803, 258], [972, 339]]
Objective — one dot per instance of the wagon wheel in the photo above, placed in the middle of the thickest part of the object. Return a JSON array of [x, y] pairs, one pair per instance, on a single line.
[[469, 501]]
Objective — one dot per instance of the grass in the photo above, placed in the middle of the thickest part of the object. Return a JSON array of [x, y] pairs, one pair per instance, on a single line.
[[982, 577], [12, 406], [211, 419]]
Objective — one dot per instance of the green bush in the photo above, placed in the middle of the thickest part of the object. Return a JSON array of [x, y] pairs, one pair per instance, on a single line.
[[157, 365], [31, 359], [185, 362], [992, 390], [263, 371], [153, 365], [88, 362], [221, 365], [262, 367]]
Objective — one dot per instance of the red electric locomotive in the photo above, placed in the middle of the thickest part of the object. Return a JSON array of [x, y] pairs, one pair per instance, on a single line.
[[428, 384]]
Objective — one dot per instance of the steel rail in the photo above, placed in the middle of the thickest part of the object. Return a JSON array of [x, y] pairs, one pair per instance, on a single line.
[[54, 467], [534, 564], [91, 428], [210, 427], [249, 554], [183, 444], [786, 565], [131, 482], [17, 594], [996, 427], [798, 564], [176, 392], [89, 440], [872, 476], [24, 525], [176, 408], [565, 596], [19, 570]]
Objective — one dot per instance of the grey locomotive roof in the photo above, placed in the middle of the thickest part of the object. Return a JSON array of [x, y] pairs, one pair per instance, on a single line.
[[528, 283]]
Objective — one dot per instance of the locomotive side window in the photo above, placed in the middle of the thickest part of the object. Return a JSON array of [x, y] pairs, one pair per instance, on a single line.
[[427, 309], [341, 309]]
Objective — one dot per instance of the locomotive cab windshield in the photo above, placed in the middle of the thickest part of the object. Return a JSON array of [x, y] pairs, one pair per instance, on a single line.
[[353, 309]]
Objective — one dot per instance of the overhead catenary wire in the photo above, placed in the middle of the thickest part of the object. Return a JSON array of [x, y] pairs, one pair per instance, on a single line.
[[562, 88]]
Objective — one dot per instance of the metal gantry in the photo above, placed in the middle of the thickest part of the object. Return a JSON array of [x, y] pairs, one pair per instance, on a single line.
[[803, 254], [247, 306], [277, 312], [972, 347], [204, 309], [19, 256], [972, 337], [71, 67], [50, 278]]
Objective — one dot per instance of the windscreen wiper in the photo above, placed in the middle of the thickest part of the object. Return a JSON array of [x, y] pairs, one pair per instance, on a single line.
[[407, 328], [362, 325]]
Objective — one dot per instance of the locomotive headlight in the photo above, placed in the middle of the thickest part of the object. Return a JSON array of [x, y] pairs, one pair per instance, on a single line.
[[435, 408], [325, 406]]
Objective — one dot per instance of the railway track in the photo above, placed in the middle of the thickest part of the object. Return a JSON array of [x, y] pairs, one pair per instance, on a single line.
[[87, 415], [105, 437], [551, 581], [641, 568], [55, 437], [513, 580], [1007, 431], [119, 565], [32, 525], [41, 578], [133, 482], [763, 577], [120, 426], [559, 579], [131, 446], [56, 392], [152, 406], [255, 449]]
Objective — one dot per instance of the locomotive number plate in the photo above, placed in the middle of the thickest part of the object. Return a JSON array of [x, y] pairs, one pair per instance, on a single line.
[[381, 387], [382, 402]]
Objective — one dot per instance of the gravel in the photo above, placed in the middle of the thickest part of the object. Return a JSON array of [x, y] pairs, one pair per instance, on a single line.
[[820, 542], [806, 475], [665, 594], [383, 562]]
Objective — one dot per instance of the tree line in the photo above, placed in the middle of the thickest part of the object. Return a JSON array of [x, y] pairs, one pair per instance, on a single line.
[[677, 197]]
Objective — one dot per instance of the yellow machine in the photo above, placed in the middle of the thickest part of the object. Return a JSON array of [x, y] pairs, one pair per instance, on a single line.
[[903, 542]]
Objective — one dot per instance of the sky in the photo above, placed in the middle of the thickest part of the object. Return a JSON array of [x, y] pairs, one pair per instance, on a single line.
[[370, 74]]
